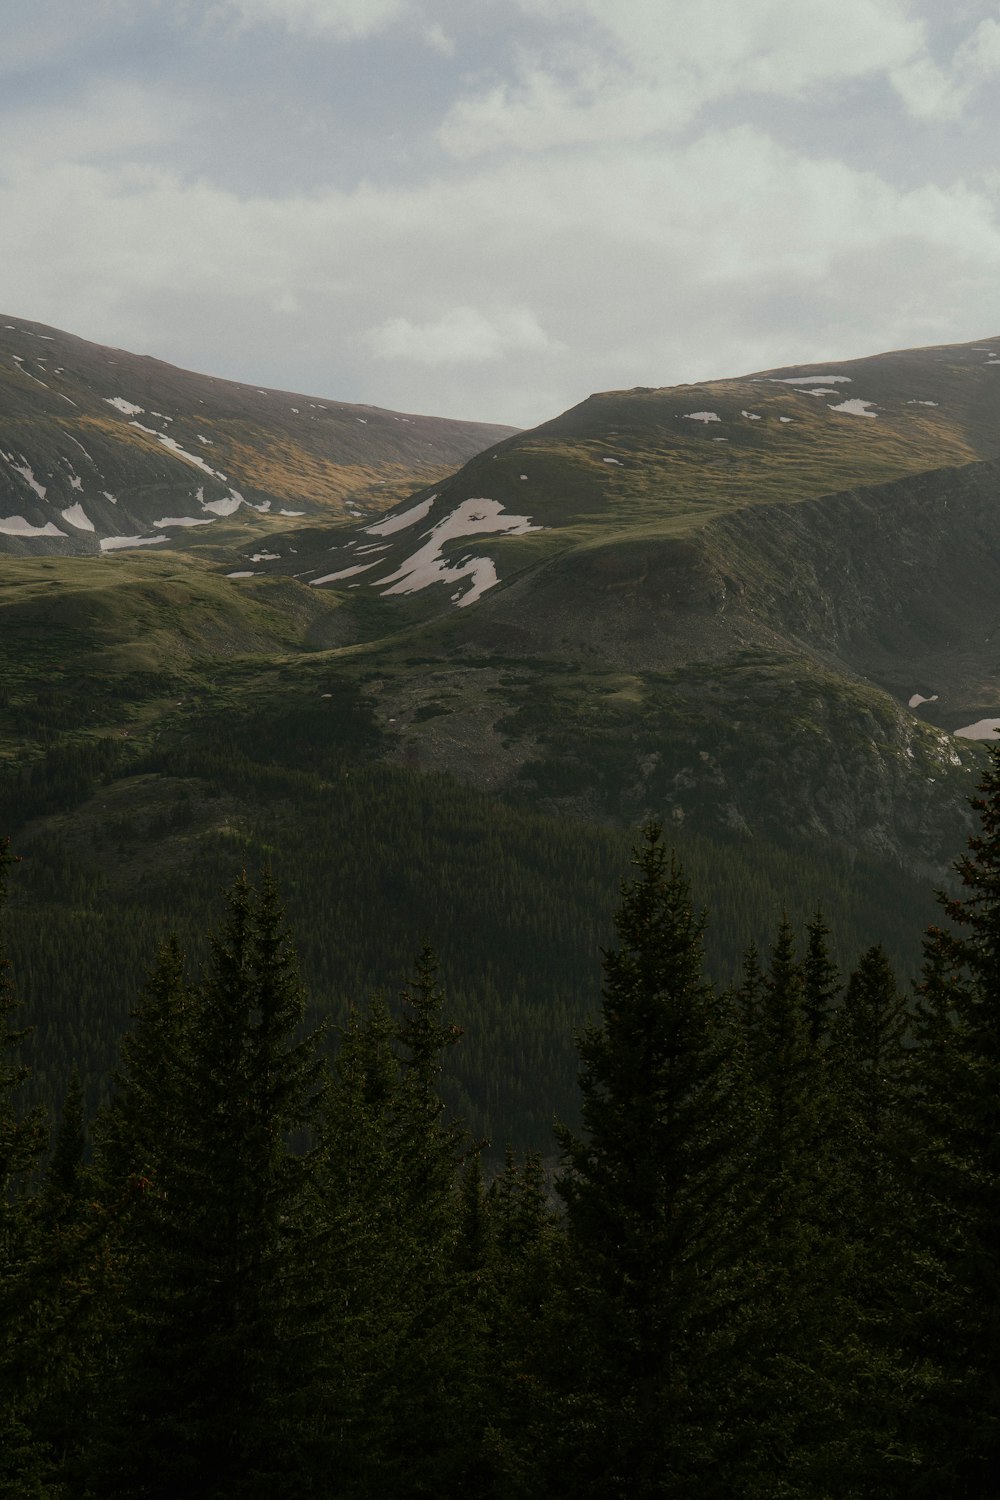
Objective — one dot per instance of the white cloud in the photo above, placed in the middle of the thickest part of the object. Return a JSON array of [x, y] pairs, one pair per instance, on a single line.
[[646, 67], [462, 335], [348, 20], [593, 222], [108, 118], [439, 40], [651, 267], [930, 92], [981, 53]]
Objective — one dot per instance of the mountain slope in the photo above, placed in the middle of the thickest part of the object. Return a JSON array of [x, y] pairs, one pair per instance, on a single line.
[[101, 449], [764, 641], [661, 463], [711, 603]]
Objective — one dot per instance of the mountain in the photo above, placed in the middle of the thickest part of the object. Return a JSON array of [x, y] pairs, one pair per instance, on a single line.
[[657, 464], [102, 450], [719, 603], [757, 609]]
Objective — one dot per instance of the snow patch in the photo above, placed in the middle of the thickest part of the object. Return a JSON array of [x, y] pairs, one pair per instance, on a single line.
[[810, 380], [77, 516], [856, 408], [265, 557], [291, 512], [225, 506], [751, 416], [119, 543], [127, 408], [244, 574], [19, 361], [345, 572], [916, 700], [174, 446], [18, 526], [786, 419], [477, 517], [982, 729], [399, 523], [923, 403], [701, 416], [183, 521], [613, 461], [26, 473], [108, 496]]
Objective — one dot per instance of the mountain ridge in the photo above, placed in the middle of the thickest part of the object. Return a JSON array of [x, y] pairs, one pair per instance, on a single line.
[[101, 449]]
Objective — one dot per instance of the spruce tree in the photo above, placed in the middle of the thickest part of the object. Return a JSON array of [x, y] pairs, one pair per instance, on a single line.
[[954, 1104], [366, 1256], [650, 1300], [219, 1389], [62, 1177], [406, 1392], [800, 1258], [22, 1282], [868, 1056], [866, 1066], [820, 980]]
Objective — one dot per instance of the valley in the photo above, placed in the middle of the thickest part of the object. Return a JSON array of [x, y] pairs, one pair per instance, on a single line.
[[441, 700]]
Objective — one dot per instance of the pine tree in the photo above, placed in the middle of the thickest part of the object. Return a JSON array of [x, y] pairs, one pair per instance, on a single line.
[[787, 1073], [954, 1103], [650, 1188], [22, 1352], [62, 1178], [868, 1055], [366, 1260], [432, 1145], [820, 980], [802, 1263], [220, 1392], [407, 1393], [866, 1066]]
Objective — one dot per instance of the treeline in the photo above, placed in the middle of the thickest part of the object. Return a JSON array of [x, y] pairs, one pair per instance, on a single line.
[[767, 1267], [121, 844]]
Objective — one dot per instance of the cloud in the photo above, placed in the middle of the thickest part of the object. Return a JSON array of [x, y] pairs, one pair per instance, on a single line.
[[439, 40], [651, 267], [639, 67], [632, 193], [981, 53], [347, 20], [461, 336], [105, 118]]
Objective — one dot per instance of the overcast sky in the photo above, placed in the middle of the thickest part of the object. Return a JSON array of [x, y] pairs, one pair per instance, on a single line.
[[490, 208]]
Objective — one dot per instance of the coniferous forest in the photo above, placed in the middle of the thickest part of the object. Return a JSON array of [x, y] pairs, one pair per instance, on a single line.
[[766, 1265]]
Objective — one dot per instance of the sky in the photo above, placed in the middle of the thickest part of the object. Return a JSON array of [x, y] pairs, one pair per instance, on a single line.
[[488, 209]]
